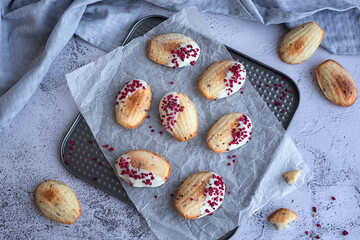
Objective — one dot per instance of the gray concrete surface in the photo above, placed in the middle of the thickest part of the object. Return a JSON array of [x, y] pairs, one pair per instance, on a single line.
[[327, 136]]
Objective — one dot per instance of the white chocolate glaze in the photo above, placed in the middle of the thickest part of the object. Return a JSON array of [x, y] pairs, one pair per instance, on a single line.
[[185, 55], [129, 89], [234, 80], [137, 177], [215, 193], [241, 134], [169, 110]]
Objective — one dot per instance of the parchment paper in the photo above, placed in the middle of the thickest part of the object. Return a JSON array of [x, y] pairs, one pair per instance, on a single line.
[[253, 179]]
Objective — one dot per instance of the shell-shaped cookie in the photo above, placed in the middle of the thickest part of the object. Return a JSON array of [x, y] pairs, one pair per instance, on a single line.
[[200, 195], [133, 103], [142, 168], [57, 201], [222, 79], [336, 83], [229, 132], [301, 42], [178, 116], [173, 50], [282, 217]]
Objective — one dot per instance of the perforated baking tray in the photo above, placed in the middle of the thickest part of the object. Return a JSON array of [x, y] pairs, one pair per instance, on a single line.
[[82, 156]]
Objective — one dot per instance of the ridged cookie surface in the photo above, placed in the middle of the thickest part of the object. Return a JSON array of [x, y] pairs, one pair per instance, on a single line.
[[133, 103], [178, 116], [282, 217], [173, 50], [200, 195], [57, 201], [336, 83], [229, 132], [142, 168], [222, 79], [301, 42]]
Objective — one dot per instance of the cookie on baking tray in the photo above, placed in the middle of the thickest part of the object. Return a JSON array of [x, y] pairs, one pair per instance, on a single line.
[[229, 132], [336, 83], [142, 168], [200, 195], [133, 103], [301, 42], [292, 176], [57, 201], [282, 217], [173, 50], [222, 79], [178, 116]]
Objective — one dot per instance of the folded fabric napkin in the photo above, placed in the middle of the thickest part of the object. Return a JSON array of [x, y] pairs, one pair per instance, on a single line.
[[34, 32]]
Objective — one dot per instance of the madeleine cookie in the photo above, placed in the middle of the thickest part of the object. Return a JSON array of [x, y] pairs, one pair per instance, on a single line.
[[178, 116], [301, 42], [173, 50], [222, 79], [292, 176], [133, 103], [229, 132], [282, 217], [142, 168], [200, 195], [57, 201], [336, 83]]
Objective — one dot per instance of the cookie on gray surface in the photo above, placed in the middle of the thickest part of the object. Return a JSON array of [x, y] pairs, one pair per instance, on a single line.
[[282, 217], [301, 42], [336, 83], [57, 201]]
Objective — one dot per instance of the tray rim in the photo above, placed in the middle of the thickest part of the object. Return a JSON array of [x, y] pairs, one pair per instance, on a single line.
[[133, 28], [126, 40], [62, 152]]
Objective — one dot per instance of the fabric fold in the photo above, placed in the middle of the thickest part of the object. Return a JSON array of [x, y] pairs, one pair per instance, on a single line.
[[15, 98]]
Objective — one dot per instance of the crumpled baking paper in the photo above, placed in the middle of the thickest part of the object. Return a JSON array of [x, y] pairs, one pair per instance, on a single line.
[[255, 177]]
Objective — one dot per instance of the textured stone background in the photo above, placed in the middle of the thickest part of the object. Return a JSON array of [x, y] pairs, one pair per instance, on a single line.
[[327, 136]]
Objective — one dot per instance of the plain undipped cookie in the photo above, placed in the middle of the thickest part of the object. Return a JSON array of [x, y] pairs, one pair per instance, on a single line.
[[301, 42], [57, 201], [282, 217], [336, 83]]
